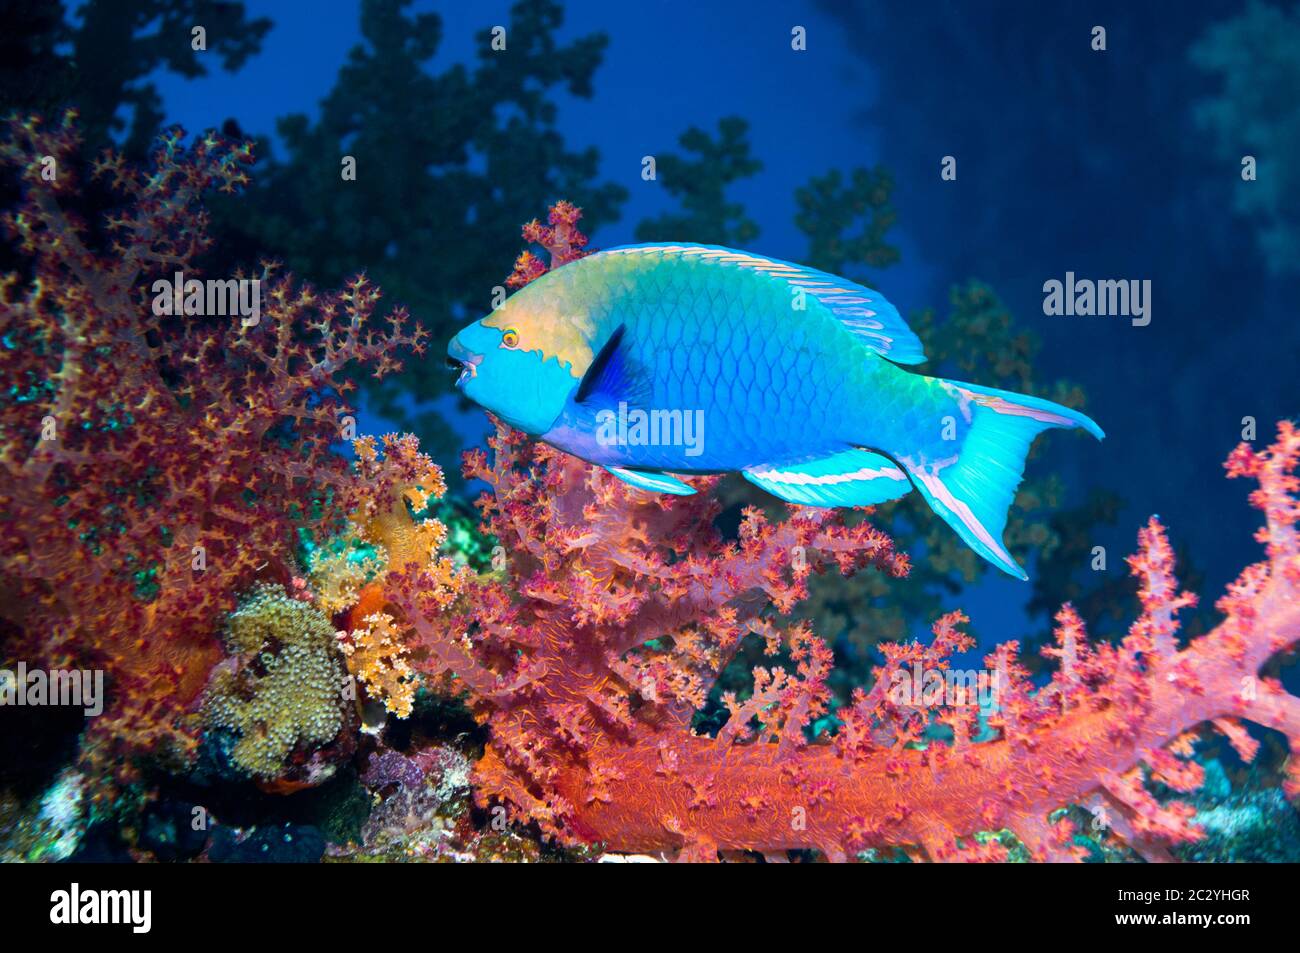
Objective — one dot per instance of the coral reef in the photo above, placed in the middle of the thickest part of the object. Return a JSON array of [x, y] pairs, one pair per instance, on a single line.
[[423, 811], [423, 796], [155, 464], [49, 829]]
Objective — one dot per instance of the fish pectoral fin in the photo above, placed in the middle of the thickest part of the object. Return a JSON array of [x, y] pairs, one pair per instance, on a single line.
[[613, 376], [652, 482], [850, 478]]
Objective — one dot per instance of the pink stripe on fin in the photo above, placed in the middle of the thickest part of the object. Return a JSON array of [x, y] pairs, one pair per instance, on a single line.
[[830, 479], [963, 512], [1001, 405]]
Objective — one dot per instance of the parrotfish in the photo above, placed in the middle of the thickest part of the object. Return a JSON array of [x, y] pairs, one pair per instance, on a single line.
[[654, 360]]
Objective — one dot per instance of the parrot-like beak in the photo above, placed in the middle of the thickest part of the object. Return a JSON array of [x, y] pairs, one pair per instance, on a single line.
[[462, 359]]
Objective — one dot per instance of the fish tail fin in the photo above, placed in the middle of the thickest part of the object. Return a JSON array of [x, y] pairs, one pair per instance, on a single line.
[[974, 490]]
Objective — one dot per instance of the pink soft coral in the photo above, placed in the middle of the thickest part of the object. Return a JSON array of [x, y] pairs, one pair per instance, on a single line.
[[588, 674]]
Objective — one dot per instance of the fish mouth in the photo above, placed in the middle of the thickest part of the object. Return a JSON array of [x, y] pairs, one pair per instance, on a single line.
[[462, 360]]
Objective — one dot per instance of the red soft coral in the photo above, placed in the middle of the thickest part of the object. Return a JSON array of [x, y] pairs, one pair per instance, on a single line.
[[626, 608]]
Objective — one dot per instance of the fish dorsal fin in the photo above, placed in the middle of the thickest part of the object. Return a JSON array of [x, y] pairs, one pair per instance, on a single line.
[[864, 312], [613, 376]]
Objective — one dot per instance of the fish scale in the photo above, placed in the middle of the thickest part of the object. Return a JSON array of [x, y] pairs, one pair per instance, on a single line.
[[732, 330], [812, 403]]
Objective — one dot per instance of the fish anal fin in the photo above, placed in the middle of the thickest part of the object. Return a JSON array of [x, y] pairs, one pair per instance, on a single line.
[[651, 482], [849, 478]]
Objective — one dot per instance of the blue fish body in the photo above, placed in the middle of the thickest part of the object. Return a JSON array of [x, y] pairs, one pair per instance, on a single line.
[[657, 359]]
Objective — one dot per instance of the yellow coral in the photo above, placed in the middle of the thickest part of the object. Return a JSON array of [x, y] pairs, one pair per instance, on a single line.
[[403, 476], [281, 690], [444, 580], [337, 577], [394, 486], [377, 657]]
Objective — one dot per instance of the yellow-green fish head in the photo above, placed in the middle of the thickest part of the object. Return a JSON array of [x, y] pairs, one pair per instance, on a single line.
[[524, 360]]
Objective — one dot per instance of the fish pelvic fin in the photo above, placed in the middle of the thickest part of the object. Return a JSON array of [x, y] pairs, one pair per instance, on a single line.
[[973, 490], [850, 478]]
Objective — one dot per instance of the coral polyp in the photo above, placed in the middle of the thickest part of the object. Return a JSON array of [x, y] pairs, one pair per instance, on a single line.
[[279, 689]]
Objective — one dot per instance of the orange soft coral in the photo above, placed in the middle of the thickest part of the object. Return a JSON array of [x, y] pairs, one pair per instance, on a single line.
[[378, 658], [561, 239], [392, 487]]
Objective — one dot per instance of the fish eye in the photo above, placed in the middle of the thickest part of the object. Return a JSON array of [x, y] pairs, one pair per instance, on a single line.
[[510, 338]]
